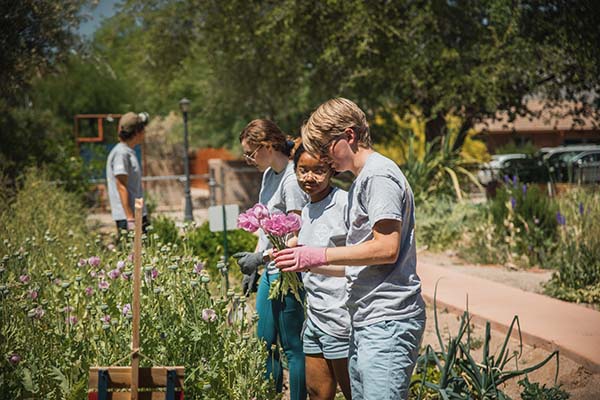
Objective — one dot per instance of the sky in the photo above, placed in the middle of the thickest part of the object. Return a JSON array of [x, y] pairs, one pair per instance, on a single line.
[[104, 9]]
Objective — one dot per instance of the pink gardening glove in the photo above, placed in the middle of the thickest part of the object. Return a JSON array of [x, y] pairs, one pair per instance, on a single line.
[[297, 259]]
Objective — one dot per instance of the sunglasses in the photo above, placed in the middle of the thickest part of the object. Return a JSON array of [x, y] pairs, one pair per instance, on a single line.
[[250, 157]]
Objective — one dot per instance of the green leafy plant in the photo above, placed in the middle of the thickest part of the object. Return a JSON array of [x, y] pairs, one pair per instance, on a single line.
[[533, 391], [456, 373]]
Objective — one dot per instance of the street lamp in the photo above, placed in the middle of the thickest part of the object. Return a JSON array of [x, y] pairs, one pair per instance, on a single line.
[[184, 105]]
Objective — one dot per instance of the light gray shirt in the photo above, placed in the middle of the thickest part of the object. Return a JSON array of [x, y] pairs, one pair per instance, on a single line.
[[279, 192], [391, 291], [123, 161], [323, 226]]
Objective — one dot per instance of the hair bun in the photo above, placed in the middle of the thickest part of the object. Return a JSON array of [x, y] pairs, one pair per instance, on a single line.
[[289, 144]]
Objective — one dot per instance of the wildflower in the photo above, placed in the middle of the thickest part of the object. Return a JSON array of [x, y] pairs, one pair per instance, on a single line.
[[506, 179], [514, 181], [103, 285], [120, 264], [524, 189], [67, 309], [130, 257], [154, 273], [24, 279], [209, 315], [94, 261], [93, 274], [38, 312], [14, 359], [82, 262], [560, 218], [105, 319], [110, 247], [581, 209], [126, 309], [198, 267], [513, 202], [33, 294], [114, 274], [71, 320], [89, 291]]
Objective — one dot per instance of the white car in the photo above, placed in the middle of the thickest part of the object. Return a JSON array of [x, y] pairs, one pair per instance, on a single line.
[[490, 171]]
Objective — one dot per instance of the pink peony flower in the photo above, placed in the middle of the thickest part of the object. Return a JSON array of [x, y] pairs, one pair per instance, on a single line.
[[259, 212], [276, 224], [94, 261], [209, 315], [248, 222], [114, 274], [293, 222], [24, 279]]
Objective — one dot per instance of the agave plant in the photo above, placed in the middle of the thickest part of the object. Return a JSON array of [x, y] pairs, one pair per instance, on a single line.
[[458, 375]]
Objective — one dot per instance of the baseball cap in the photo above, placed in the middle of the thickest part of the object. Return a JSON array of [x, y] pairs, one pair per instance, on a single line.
[[131, 122]]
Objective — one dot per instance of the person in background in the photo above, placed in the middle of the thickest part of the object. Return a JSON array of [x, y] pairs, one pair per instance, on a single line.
[[327, 327], [265, 146], [124, 173], [384, 291]]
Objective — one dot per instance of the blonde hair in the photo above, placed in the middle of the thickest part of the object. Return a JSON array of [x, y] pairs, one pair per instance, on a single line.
[[330, 120]]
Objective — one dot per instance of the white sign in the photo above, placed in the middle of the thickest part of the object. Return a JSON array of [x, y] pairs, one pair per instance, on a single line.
[[215, 217]]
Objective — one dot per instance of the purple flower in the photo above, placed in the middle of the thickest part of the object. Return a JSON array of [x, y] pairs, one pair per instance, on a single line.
[[33, 294], [24, 279], [82, 262], [57, 281], [506, 179], [209, 315], [94, 261], [259, 212], [93, 274], [560, 218], [198, 267], [71, 320], [513, 202], [276, 225], [248, 222], [67, 309], [103, 285], [120, 265], [126, 309], [89, 291], [524, 189], [154, 273], [105, 319], [581, 208], [514, 181], [114, 274], [14, 359]]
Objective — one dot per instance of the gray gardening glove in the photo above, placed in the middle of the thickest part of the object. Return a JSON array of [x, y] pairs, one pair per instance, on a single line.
[[250, 283], [249, 262]]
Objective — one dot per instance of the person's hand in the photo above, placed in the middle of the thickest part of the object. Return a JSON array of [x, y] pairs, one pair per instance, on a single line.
[[249, 262], [300, 258], [131, 224], [250, 283]]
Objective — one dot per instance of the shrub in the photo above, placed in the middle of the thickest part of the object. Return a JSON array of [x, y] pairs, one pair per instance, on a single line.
[[577, 258]]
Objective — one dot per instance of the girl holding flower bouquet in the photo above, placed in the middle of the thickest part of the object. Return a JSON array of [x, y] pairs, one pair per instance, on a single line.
[[327, 328], [265, 146]]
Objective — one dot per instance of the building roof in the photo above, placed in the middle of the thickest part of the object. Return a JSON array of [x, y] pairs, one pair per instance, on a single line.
[[549, 119]]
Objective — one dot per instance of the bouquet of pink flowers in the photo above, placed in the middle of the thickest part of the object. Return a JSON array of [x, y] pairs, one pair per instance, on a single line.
[[278, 227]]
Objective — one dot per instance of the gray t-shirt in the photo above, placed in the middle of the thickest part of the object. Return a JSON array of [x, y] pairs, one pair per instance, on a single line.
[[279, 192], [323, 226], [391, 291], [122, 161]]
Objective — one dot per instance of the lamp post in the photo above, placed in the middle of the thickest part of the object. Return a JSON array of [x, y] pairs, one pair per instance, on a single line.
[[184, 105]]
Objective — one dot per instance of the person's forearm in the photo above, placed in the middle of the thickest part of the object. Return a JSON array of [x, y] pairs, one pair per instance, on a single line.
[[367, 253], [330, 270], [124, 196]]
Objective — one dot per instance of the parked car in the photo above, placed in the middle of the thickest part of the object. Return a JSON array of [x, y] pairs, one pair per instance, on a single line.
[[584, 167], [556, 159], [493, 170]]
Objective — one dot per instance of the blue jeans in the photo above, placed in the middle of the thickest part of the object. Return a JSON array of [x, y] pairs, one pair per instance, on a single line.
[[382, 358], [283, 320]]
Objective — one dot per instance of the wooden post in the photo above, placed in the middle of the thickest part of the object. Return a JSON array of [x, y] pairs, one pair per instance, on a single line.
[[137, 279]]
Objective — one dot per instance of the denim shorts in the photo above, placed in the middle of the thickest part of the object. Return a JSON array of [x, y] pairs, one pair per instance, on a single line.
[[315, 341], [382, 358]]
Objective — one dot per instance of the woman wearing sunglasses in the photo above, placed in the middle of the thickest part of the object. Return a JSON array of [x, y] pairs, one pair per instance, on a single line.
[[265, 146]]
